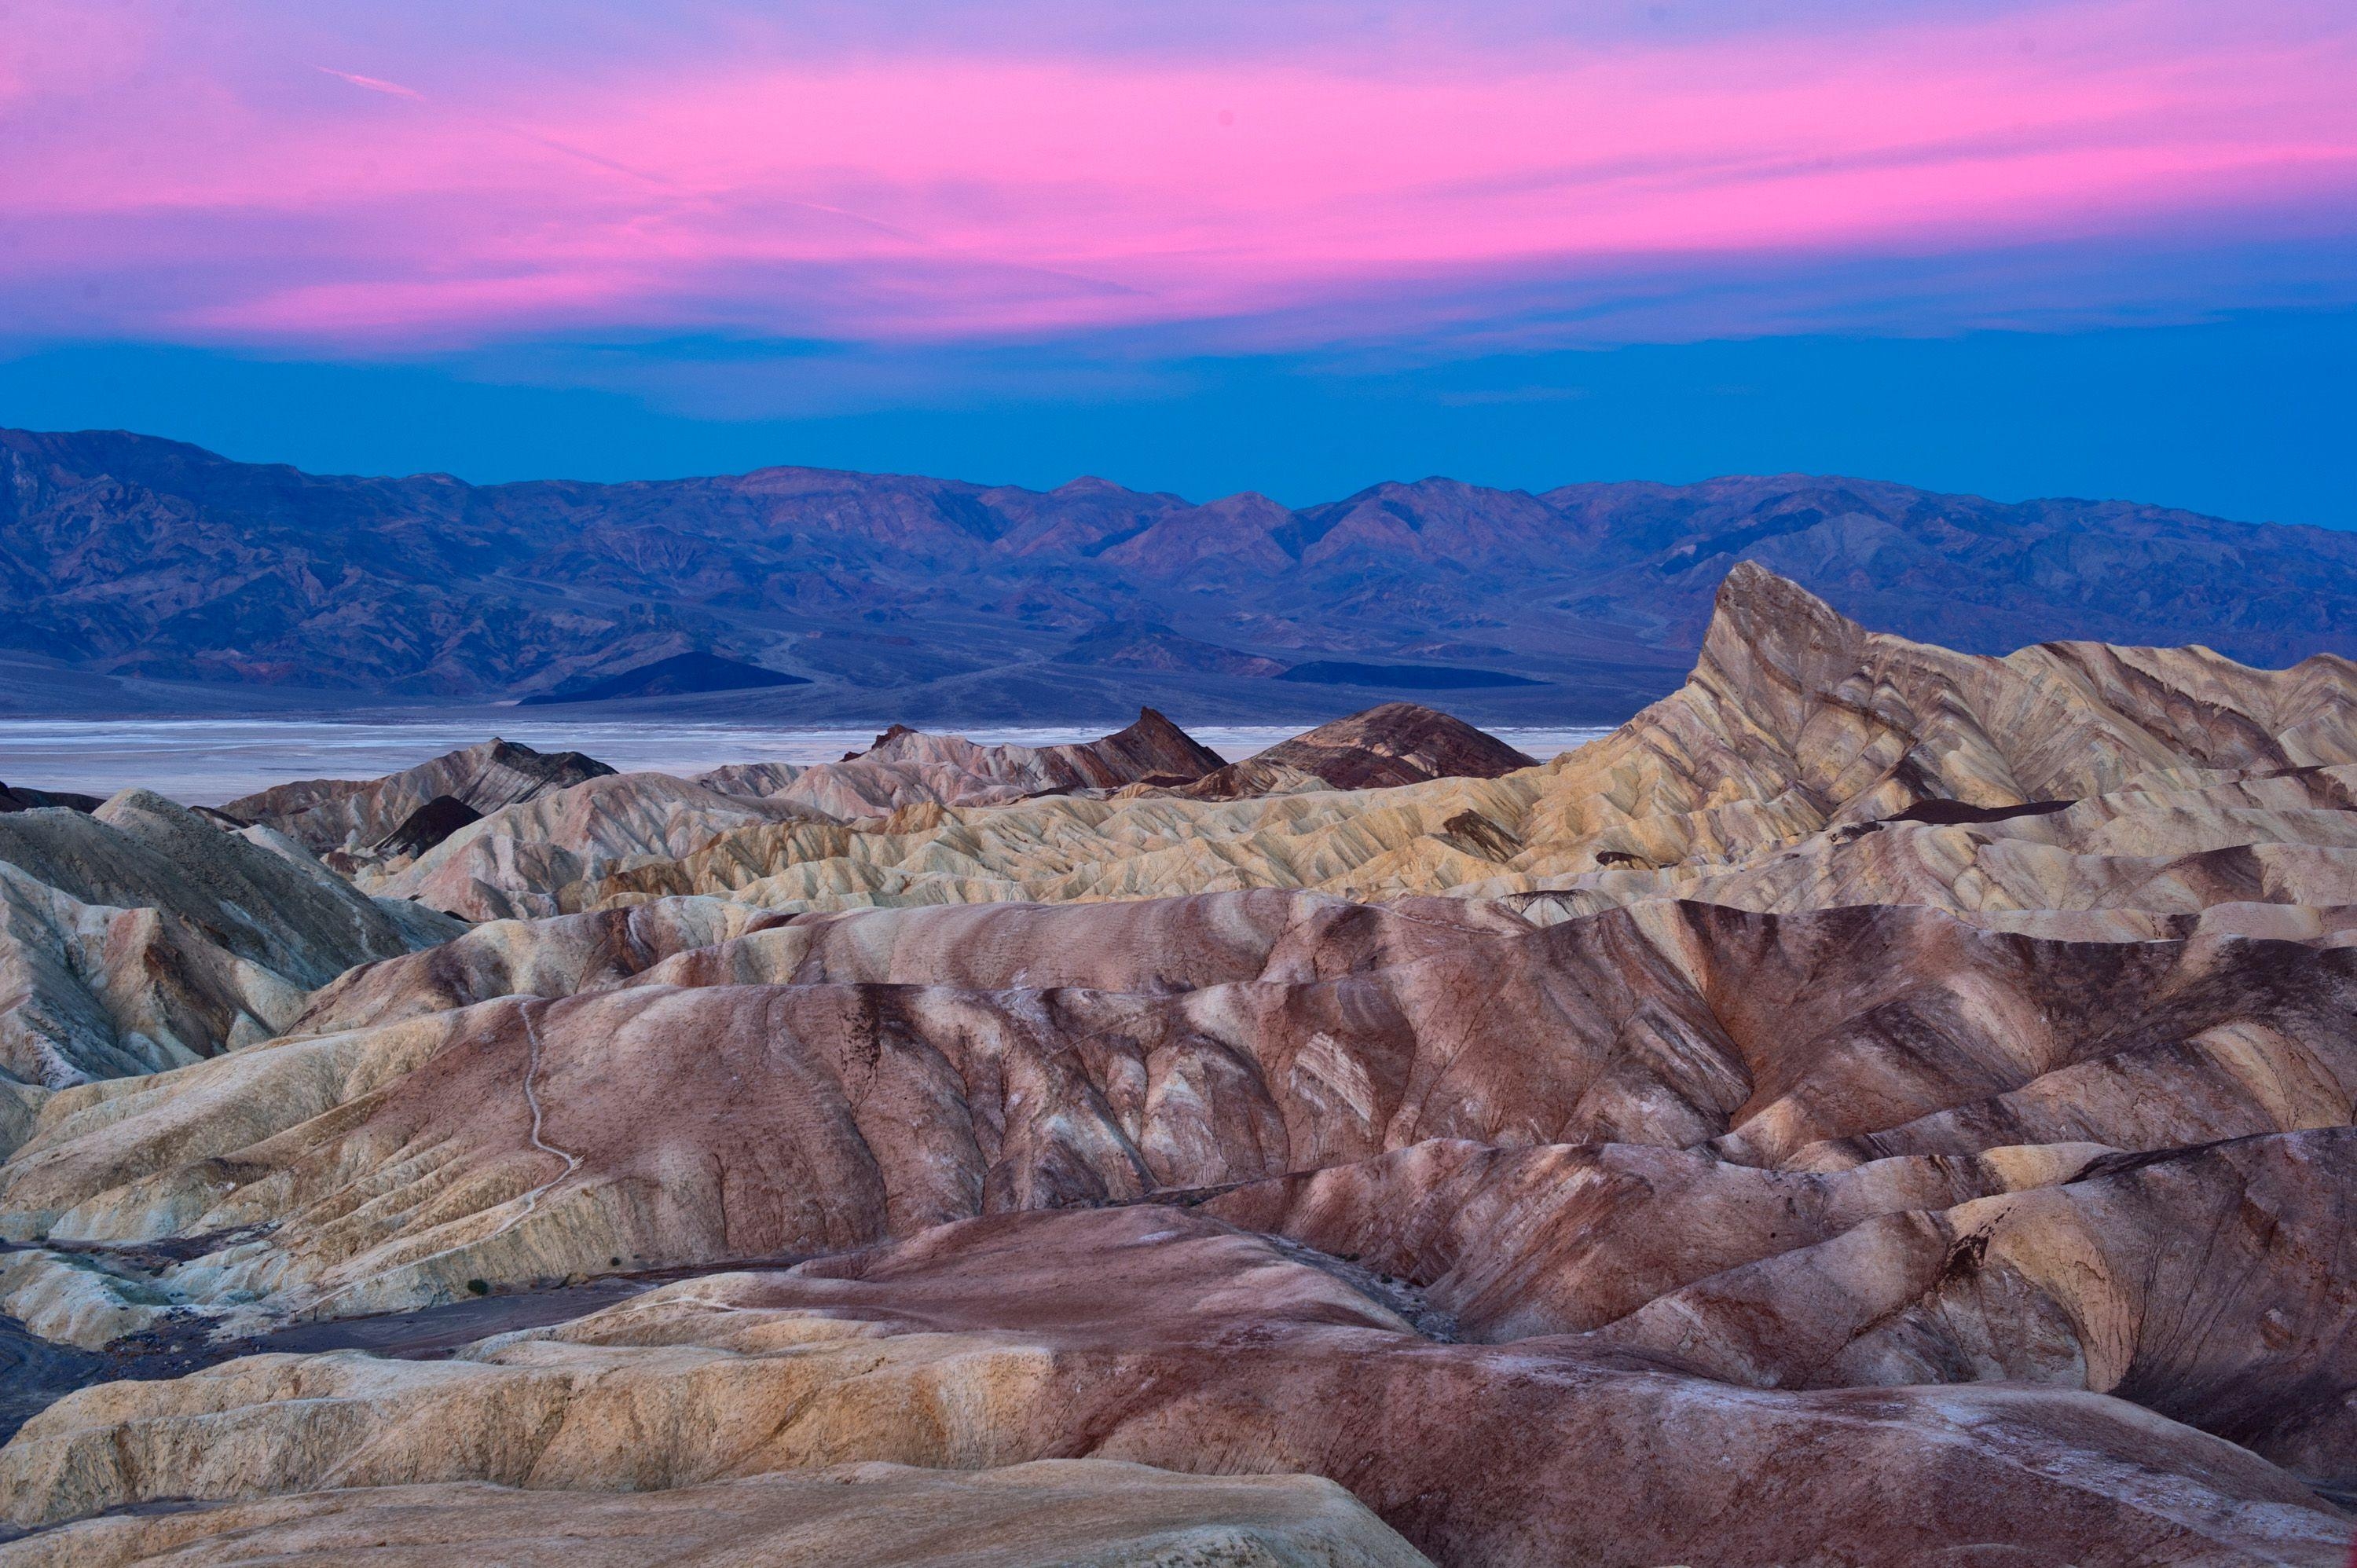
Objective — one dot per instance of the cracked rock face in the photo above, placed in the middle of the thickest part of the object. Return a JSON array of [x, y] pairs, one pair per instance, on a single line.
[[1881, 1106]]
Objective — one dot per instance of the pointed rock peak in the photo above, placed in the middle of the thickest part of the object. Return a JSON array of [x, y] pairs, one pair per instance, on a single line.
[[1748, 582], [1758, 613], [889, 737], [1173, 752]]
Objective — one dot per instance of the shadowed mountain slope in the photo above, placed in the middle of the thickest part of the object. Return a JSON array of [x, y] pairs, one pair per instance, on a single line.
[[135, 557], [1397, 743]]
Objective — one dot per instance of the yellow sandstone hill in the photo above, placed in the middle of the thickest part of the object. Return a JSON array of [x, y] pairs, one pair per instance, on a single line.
[[1781, 776]]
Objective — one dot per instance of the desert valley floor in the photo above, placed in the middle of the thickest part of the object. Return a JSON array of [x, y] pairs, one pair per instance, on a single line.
[[1879, 1105]]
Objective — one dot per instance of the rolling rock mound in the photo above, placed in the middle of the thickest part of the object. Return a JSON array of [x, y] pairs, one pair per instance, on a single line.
[[141, 936], [907, 768], [494, 868], [1195, 1346], [1806, 763], [513, 861], [853, 1077]]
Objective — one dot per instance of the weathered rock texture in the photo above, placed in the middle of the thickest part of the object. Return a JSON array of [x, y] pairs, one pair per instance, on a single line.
[[141, 936], [1880, 1106], [1092, 1513], [977, 1346], [829, 1081], [503, 864]]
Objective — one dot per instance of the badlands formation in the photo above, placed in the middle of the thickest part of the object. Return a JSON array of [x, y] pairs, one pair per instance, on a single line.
[[1881, 1105]]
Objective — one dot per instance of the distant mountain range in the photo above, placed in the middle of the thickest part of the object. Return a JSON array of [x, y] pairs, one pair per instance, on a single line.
[[145, 575]]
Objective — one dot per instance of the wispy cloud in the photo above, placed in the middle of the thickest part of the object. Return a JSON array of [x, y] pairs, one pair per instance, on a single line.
[[373, 83], [1304, 185]]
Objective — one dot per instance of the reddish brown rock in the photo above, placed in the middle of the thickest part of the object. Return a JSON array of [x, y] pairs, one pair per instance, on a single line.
[[829, 1081], [1397, 743], [1155, 1337], [908, 767]]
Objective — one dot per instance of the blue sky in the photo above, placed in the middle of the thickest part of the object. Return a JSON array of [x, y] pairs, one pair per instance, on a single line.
[[2017, 247], [2246, 416]]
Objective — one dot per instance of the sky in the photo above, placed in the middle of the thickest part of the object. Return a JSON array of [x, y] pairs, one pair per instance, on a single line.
[[2015, 247]]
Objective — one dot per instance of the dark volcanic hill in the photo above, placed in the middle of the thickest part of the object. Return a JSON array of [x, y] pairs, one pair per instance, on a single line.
[[676, 676], [130, 558]]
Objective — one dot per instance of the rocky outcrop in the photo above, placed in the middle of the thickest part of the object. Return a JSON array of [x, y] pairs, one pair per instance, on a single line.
[[2209, 1283], [907, 768], [1397, 743], [1195, 1346], [547, 958], [1101, 1512], [141, 936], [359, 816], [1807, 763], [507, 863]]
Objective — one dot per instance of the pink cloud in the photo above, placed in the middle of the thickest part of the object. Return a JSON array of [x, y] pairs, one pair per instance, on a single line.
[[393, 88], [943, 197]]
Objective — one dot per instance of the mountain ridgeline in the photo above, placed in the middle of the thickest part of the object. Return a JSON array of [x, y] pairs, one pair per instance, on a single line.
[[145, 574]]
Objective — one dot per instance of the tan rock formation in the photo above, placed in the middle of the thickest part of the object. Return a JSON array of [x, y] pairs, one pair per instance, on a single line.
[[1769, 781], [1092, 1512], [2213, 1285], [2216, 1285], [555, 957], [1880, 1106], [497, 868], [142, 937]]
